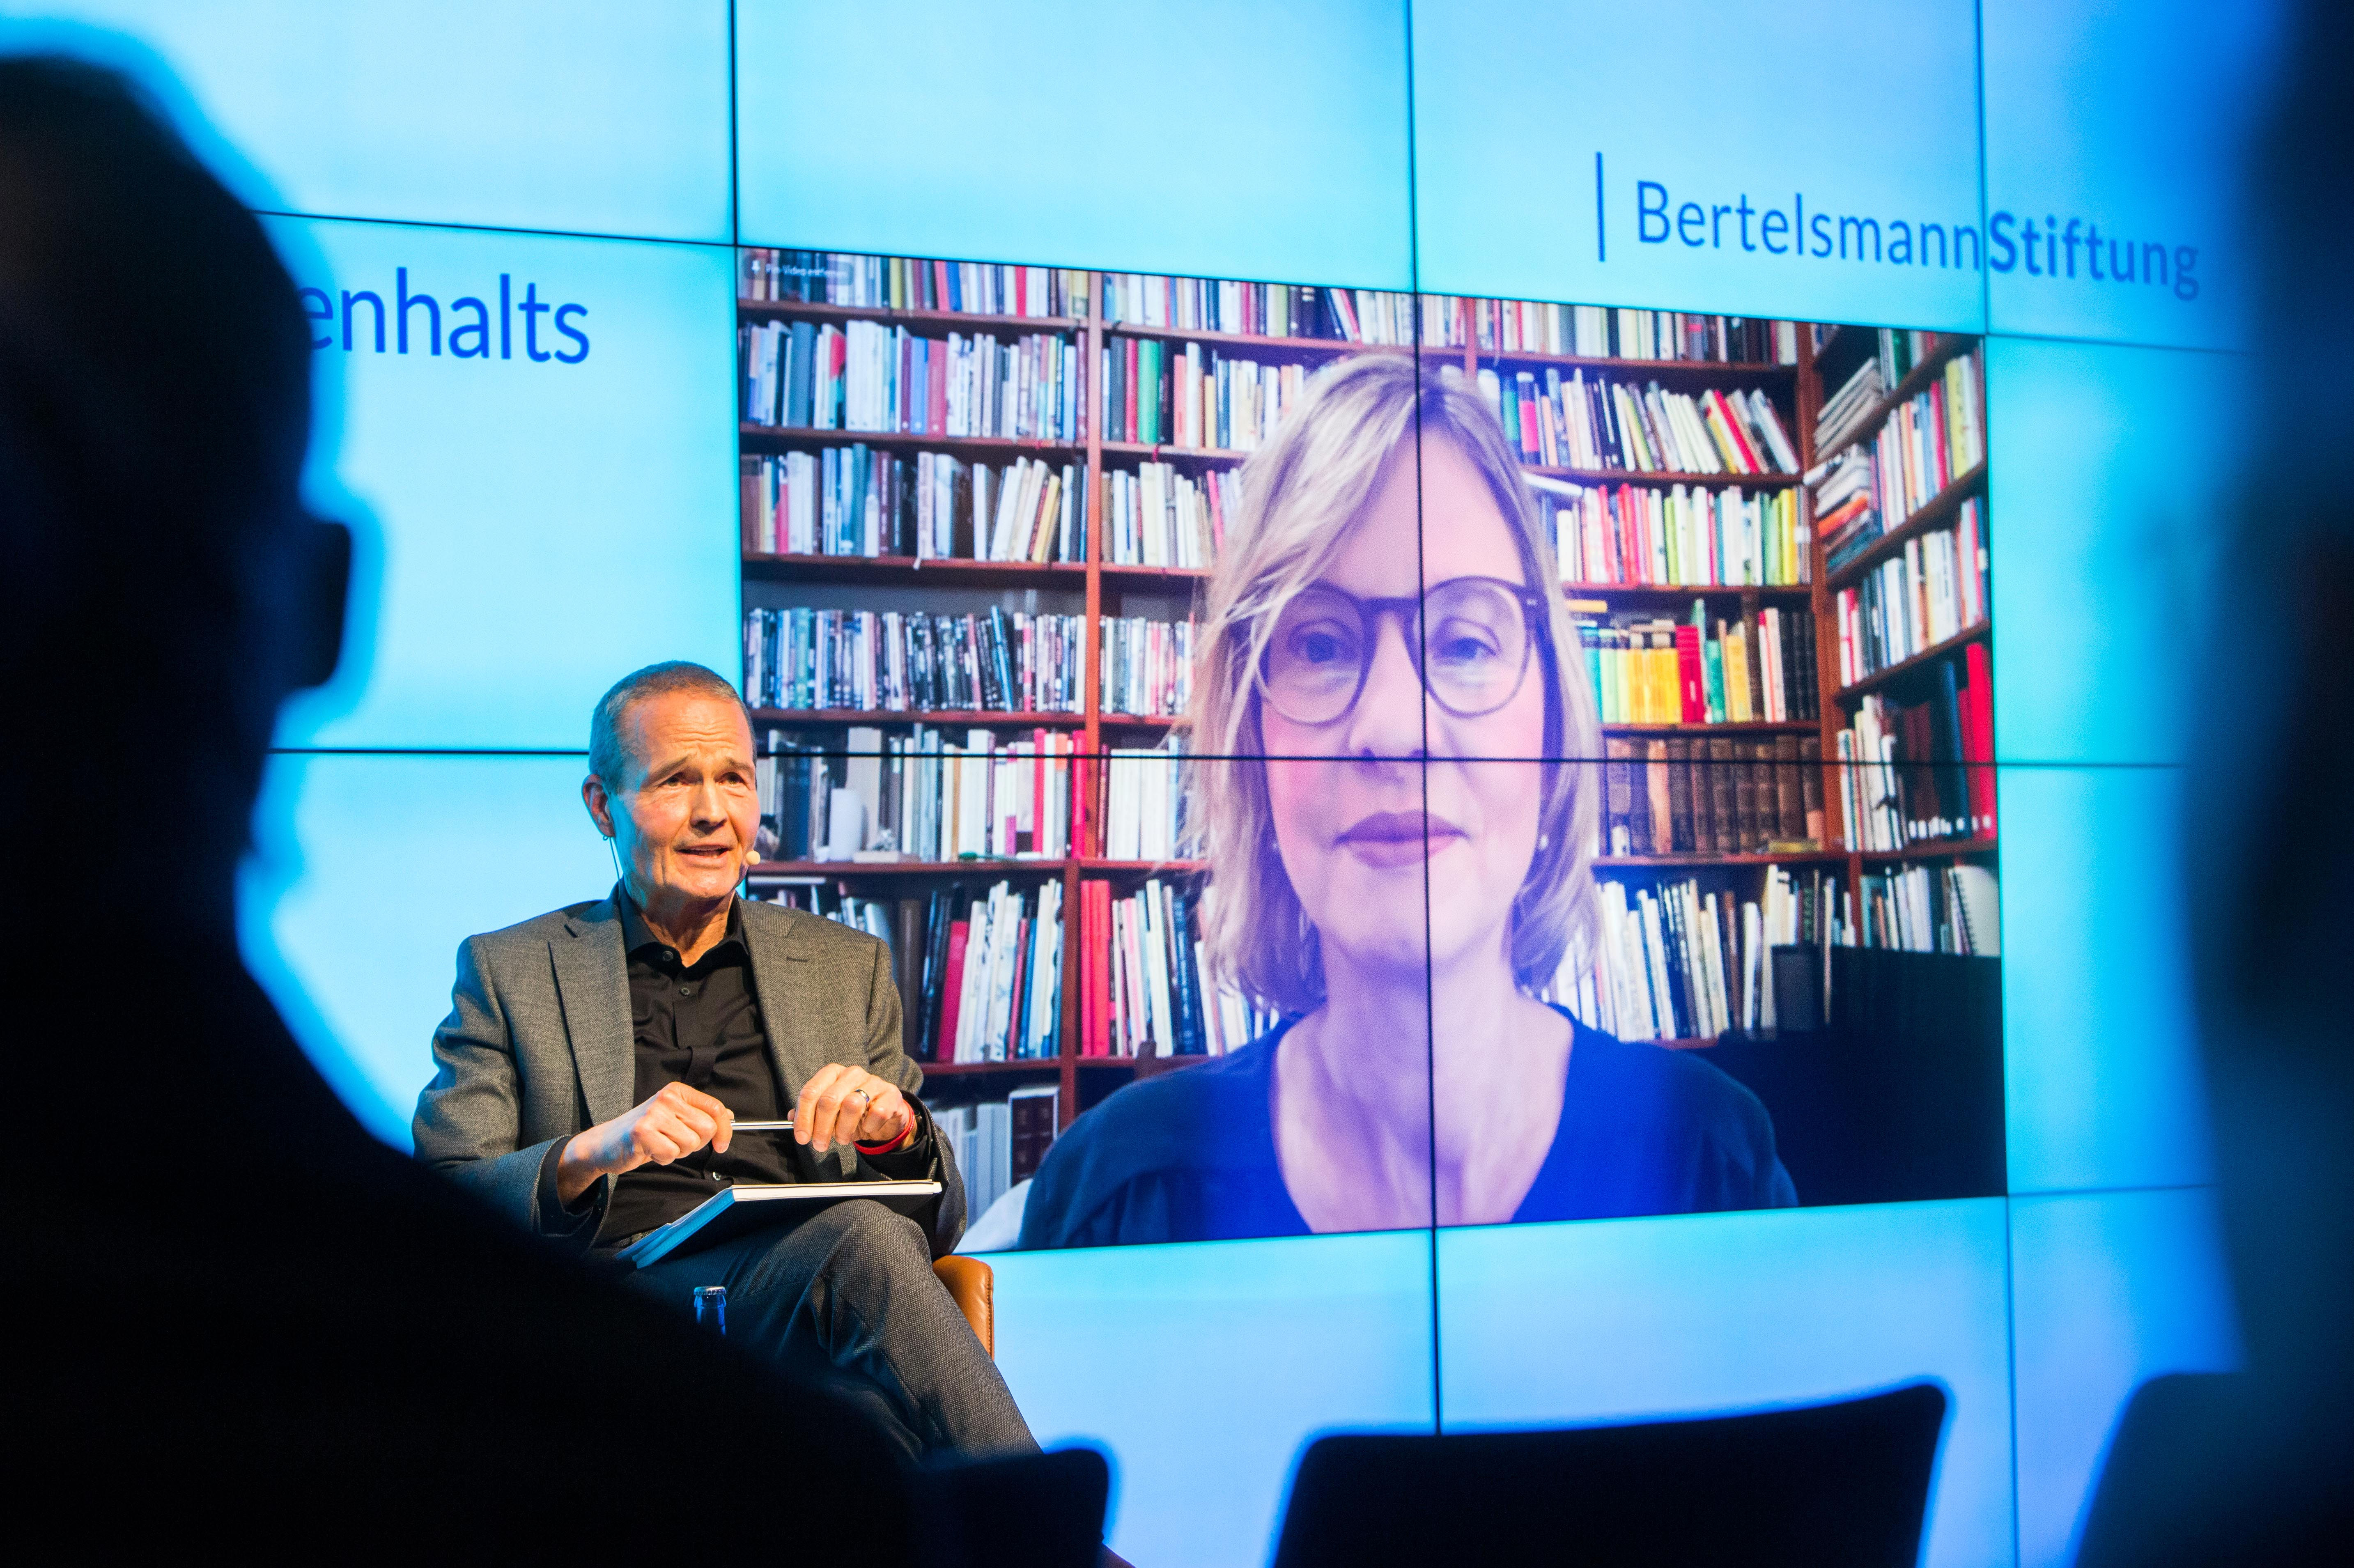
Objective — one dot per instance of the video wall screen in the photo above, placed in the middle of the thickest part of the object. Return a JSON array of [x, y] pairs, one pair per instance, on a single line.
[[1331, 760]]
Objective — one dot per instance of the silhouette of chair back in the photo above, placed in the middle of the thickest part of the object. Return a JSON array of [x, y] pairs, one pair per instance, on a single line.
[[1845, 1483]]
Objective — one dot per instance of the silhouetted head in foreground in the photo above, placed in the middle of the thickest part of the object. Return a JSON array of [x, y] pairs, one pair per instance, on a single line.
[[165, 590], [2252, 1468]]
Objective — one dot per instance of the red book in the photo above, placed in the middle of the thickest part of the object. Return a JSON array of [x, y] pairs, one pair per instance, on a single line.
[[936, 398], [952, 985], [1691, 676], [1097, 897], [1978, 736]]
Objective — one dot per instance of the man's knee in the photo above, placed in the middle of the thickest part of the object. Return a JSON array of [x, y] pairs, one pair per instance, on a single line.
[[871, 1243]]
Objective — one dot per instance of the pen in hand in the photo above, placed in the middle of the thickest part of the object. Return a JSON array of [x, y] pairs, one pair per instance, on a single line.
[[784, 1126]]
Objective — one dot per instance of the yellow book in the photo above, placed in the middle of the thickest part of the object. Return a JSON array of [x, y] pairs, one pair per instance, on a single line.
[[1735, 657], [1666, 694], [1050, 518]]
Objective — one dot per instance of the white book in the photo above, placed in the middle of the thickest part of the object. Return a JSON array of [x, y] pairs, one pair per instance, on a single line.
[[994, 1157], [1005, 948], [747, 1205], [1157, 958], [973, 986], [1753, 965]]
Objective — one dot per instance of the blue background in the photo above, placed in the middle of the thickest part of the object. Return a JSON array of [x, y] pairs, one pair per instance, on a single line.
[[527, 530]]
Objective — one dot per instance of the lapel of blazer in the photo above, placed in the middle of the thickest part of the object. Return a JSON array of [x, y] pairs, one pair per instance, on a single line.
[[592, 980], [780, 973]]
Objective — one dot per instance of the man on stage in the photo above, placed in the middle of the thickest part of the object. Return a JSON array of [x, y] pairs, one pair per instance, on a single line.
[[596, 1060]]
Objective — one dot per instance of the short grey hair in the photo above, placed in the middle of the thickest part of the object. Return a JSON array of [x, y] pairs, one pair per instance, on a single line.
[[1301, 494], [607, 755]]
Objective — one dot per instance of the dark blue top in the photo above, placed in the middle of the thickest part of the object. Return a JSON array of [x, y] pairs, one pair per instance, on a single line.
[[1190, 1156]]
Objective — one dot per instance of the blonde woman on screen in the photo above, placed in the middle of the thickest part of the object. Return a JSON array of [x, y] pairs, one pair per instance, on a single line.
[[1384, 682]]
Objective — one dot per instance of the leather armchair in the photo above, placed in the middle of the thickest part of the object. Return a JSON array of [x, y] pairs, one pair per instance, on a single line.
[[971, 1284]]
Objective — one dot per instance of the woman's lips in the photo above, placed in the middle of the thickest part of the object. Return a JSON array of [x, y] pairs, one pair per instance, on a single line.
[[1388, 840]]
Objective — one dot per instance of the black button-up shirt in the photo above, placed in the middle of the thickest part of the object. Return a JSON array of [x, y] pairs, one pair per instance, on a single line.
[[700, 1024]]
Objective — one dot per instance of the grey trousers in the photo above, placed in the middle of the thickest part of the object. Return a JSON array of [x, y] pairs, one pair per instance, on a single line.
[[847, 1298]]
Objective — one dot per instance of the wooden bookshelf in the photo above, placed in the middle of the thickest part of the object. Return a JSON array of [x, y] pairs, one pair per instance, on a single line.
[[1797, 389], [1842, 353]]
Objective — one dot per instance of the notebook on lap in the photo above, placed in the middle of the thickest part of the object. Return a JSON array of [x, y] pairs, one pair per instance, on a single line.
[[747, 1206]]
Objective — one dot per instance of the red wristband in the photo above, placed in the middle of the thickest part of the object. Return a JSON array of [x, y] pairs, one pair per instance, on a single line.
[[893, 1146]]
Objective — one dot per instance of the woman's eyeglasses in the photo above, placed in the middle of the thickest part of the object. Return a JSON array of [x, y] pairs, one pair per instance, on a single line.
[[1469, 639]]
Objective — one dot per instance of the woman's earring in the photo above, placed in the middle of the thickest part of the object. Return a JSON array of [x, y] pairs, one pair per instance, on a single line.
[[1544, 841]]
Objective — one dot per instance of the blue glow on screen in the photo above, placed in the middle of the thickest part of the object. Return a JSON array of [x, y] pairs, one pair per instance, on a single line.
[[1223, 139], [2109, 1289], [369, 871], [2105, 555], [596, 116], [1513, 102], [531, 530], [1609, 1320], [1295, 1337], [2100, 1061], [2130, 120]]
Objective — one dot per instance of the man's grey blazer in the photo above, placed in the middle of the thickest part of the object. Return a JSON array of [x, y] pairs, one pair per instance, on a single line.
[[539, 1045]]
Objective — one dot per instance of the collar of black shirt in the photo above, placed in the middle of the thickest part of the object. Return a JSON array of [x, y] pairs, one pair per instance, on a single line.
[[637, 936]]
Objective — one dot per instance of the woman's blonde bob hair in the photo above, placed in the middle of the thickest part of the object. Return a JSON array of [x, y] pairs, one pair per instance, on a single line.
[[1300, 493]]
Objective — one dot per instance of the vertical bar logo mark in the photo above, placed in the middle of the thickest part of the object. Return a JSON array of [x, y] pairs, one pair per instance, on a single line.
[[1601, 238]]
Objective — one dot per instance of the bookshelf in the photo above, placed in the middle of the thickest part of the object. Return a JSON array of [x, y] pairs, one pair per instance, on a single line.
[[1095, 588]]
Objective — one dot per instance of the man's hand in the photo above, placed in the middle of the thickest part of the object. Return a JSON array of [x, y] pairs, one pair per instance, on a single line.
[[673, 1122], [846, 1104]]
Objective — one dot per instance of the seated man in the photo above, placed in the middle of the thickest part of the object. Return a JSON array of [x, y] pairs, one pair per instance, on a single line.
[[596, 1059]]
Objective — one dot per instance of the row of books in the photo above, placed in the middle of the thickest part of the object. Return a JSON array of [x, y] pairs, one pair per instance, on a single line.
[[864, 796], [1262, 310], [1667, 671], [1148, 665], [1684, 536], [1922, 771], [1848, 413], [864, 660], [1935, 590], [1713, 795], [1929, 441], [1676, 962], [1002, 985], [1165, 393], [1210, 304], [905, 283], [858, 501], [1924, 444], [1145, 985], [1161, 516], [1932, 909], [1603, 331], [1606, 423], [1138, 802], [1000, 1144], [866, 375]]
